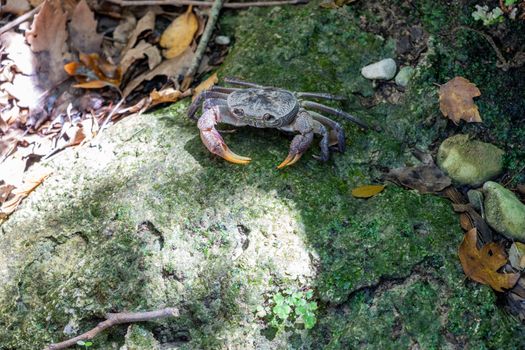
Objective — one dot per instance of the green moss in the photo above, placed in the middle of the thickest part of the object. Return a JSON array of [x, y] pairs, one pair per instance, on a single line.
[[165, 223]]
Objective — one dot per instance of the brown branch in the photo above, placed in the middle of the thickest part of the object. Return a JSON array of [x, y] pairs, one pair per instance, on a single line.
[[203, 43], [114, 319], [232, 5], [20, 19]]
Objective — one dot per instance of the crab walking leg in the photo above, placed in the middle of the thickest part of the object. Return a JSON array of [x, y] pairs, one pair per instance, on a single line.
[[320, 95], [213, 140], [337, 112], [206, 94], [242, 83], [303, 124], [320, 129], [333, 127], [223, 89]]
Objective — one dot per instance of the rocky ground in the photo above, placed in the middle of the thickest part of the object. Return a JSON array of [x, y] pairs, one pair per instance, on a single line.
[[148, 218]]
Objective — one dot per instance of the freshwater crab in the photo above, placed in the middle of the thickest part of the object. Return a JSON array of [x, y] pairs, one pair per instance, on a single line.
[[268, 107]]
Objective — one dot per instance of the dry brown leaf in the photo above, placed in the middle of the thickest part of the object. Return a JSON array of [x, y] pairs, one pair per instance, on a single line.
[[167, 95], [94, 72], [138, 52], [146, 23], [482, 265], [205, 85], [367, 191], [171, 68], [456, 100], [5, 192], [47, 37], [30, 183], [83, 29], [179, 34], [424, 178], [17, 7]]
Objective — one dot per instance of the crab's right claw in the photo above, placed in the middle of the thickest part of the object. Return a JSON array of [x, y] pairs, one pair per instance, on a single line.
[[213, 140], [215, 144]]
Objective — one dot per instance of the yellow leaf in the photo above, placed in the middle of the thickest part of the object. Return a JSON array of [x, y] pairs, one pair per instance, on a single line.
[[456, 100], [179, 34], [205, 85], [367, 191]]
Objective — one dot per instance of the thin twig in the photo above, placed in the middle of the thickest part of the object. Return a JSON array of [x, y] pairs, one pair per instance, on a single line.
[[20, 19], [114, 319], [503, 62], [203, 43], [231, 5]]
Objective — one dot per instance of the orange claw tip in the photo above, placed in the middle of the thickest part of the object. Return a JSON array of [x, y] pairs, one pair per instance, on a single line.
[[291, 159], [234, 158]]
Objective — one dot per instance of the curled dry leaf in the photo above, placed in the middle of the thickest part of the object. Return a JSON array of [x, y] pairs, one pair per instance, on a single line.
[[205, 85], [367, 191], [145, 24], [179, 34], [167, 95], [138, 52], [18, 194], [456, 100], [94, 72], [482, 265], [424, 178]]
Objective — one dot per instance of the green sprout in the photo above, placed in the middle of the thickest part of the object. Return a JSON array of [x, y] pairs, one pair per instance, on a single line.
[[85, 344], [290, 308]]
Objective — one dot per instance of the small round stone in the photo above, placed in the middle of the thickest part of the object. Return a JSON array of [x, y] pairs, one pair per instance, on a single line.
[[382, 70], [222, 40]]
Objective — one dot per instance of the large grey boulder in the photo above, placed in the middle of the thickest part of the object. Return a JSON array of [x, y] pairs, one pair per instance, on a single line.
[[504, 211], [469, 162]]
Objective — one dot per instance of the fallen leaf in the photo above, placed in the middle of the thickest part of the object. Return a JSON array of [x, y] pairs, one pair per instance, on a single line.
[[47, 37], [179, 34], [470, 218], [171, 68], [145, 24], [5, 191], [167, 95], [14, 44], [83, 29], [424, 178], [456, 100], [482, 265], [94, 72], [30, 183], [205, 85], [17, 7], [367, 191], [138, 52]]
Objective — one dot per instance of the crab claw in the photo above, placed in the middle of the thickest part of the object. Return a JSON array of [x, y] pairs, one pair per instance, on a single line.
[[213, 140], [300, 144], [291, 159]]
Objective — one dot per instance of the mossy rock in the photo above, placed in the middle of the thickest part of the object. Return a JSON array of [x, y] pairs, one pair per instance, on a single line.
[[469, 162], [150, 219], [504, 211]]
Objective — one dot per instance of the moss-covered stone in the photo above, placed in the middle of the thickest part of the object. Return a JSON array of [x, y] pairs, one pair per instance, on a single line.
[[469, 162], [150, 218], [504, 211], [138, 338]]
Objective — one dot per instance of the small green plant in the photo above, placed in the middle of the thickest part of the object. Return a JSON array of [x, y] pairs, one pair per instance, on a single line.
[[489, 18], [85, 344], [510, 2], [290, 308]]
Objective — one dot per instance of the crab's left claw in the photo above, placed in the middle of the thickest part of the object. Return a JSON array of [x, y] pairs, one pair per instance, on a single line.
[[213, 140], [300, 144]]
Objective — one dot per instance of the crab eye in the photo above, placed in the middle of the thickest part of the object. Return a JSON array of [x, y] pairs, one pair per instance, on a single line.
[[268, 117], [238, 111]]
